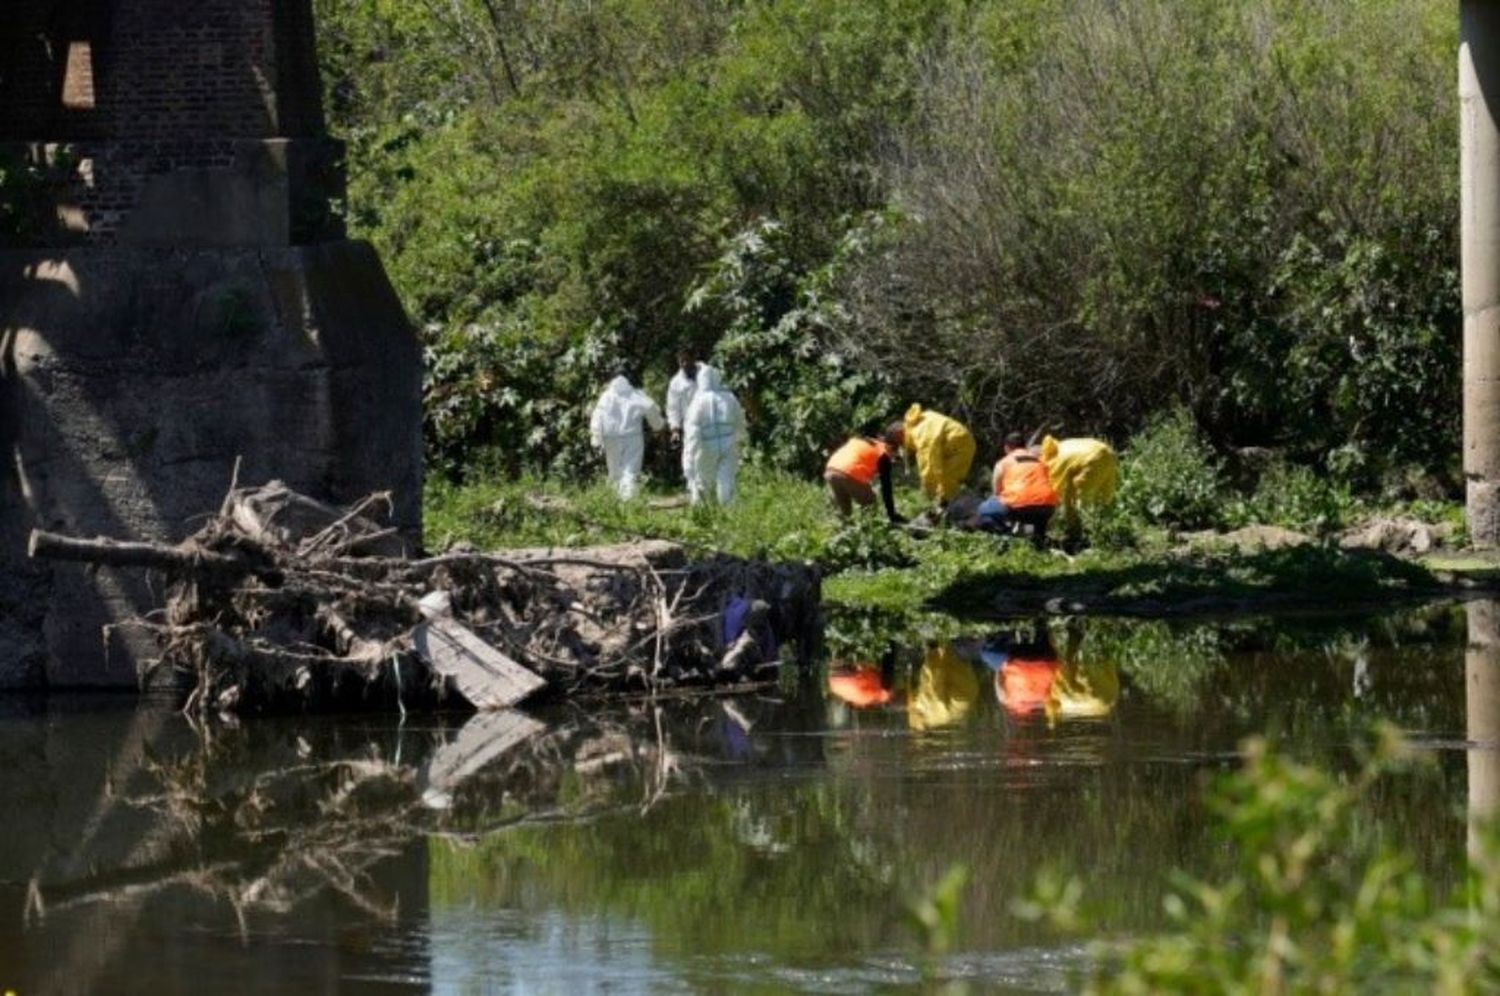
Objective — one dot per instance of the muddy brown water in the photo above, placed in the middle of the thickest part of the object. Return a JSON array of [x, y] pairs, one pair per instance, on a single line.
[[764, 842]]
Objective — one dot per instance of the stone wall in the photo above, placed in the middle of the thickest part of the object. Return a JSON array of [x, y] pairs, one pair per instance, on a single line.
[[213, 106], [201, 192], [130, 382], [158, 69], [178, 297]]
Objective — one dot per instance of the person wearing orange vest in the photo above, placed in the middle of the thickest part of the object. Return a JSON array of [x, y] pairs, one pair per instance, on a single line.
[[862, 686], [851, 471], [1023, 492], [1026, 669]]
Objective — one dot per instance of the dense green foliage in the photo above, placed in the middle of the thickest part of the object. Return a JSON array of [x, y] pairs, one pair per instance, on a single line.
[[895, 575], [1170, 476], [1014, 212]]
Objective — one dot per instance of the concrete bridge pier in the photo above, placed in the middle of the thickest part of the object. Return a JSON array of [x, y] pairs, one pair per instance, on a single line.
[[176, 293], [1479, 104]]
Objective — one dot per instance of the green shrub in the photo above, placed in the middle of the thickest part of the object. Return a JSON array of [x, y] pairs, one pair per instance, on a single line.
[[1111, 527], [785, 349], [1298, 498], [1170, 476], [1013, 212], [867, 542]]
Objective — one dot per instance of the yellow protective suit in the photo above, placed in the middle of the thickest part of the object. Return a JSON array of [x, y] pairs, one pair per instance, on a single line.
[[1084, 472], [944, 449], [1083, 691], [946, 690]]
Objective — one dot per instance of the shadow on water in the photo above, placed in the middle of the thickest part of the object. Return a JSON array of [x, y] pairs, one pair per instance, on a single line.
[[771, 840]]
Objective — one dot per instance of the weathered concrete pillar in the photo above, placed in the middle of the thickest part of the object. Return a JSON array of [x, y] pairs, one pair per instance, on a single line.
[[1479, 97], [1482, 707]]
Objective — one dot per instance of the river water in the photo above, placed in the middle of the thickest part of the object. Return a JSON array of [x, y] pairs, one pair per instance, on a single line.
[[765, 842]]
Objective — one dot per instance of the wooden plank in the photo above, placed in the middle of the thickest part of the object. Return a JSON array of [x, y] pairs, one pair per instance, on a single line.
[[482, 674], [480, 741]]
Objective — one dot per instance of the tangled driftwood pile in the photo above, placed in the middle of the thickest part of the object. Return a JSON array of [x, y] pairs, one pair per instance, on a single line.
[[283, 601]]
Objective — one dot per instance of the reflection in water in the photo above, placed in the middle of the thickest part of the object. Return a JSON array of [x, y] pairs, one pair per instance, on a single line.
[[863, 686], [706, 844], [1482, 714], [1030, 677], [946, 689]]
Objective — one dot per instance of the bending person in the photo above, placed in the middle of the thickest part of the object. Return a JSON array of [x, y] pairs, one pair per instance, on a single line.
[[851, 470], [616, 427], [713, 430], [1085, 473], [1022, 492], [943, 447]]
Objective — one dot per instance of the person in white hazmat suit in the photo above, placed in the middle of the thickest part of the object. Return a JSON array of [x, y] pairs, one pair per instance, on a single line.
[[712, 431], [616, 426], [680, 391]]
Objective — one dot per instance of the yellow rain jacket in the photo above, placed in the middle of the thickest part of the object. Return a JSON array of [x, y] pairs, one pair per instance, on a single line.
[[1084, 471], [944, 449], [946, 690], [1084, 691]]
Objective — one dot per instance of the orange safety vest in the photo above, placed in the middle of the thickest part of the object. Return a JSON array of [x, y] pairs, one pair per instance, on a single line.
[[1022, 481], [858, 459], [861, 687], [1023, 685]]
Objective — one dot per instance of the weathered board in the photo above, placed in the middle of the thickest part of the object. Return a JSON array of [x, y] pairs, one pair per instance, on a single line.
[[480, 741], [483, 675]]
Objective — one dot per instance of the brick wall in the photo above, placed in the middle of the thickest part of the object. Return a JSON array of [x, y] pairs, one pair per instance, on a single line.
[[161, 69], [131, 89]]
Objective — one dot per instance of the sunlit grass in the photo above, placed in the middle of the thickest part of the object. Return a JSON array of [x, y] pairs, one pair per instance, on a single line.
[[785, 518]]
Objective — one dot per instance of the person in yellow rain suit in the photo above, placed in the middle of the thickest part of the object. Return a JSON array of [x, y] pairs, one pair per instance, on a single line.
[[943, 447], [1085, 473], [947, 689], [1083, 691]]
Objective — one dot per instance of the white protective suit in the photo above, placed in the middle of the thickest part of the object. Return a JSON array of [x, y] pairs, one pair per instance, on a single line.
[[616, 426], [680, 391], [712, 430]]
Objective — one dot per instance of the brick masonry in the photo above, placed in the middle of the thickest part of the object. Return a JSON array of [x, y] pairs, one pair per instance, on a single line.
[[182, 298], [117, 98]]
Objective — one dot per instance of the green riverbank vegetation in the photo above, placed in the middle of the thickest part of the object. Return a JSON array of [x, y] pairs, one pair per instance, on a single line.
[[1221, 232], [1016, 213], [1182, 537]]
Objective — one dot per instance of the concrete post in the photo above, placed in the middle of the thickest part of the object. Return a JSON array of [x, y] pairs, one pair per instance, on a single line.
[[1482, 719], [1479, 101]]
